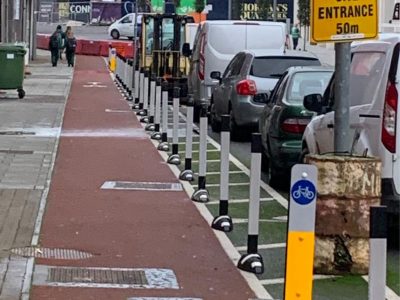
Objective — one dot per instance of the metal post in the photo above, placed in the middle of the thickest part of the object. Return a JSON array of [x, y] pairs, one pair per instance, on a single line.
[[201, 194], [229, 9], [187, 173], [342, 106], [135, 30], [377, 253], [174, 158], [252, 261], [150, 120], [130, 77], [275, 10], [164, 146], [223, 221], [141, 88], [156, 135], [143, 112], [136, 85]]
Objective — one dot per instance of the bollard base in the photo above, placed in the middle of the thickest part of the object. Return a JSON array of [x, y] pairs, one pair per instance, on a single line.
[[174, 159], [186, 175], [222, 223], [142, 112], [164, 146], [129, 98], [156, 136], [150, 127], [136, 106], [201, 196], [144, 120], [252, 263]]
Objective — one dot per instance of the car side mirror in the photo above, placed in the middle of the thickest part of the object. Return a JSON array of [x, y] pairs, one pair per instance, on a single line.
[[186, 51], [216, 75], [313, 102]]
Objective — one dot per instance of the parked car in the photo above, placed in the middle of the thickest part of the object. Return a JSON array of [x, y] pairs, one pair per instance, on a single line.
[[217, 42], [374, 113], [246, 84], [124, 27], [284, 118]]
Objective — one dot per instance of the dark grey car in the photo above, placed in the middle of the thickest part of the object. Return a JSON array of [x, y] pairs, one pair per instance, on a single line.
[[246, 83]]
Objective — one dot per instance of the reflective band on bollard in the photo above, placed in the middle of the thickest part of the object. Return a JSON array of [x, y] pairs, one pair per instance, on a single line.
[[301, 232], [187, 173], [201, 194], [174, 158], [223, 221], [156, 135], [252, 261], [377, 253], [164, 146]]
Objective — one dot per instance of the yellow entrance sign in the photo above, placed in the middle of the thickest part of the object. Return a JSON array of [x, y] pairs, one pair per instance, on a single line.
[[343, 20]]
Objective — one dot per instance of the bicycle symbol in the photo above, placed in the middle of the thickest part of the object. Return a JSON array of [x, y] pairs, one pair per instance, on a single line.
[[305, 192]]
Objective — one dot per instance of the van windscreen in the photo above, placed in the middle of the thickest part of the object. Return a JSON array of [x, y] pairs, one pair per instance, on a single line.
[[273, 67], [231, 39]]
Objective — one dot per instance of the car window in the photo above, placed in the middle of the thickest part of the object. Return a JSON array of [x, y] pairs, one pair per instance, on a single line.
[[229, 69], [275, 66], [365, 73], [281, 90], [306, 83], [277, 85], [238, 64], [127, 19]]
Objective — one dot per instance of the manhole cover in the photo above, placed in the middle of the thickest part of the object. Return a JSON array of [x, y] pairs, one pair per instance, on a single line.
[[16, 133], [97, 275], [101, 277], [51, 253], [146, 186], [16, 151]]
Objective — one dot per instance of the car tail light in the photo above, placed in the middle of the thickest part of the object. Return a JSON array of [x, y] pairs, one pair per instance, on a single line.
[[295, 125], [246, 88], [389, 118], [201, 61]]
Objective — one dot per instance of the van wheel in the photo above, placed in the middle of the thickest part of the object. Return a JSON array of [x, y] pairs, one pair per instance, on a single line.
[[115, 34], [215, 124]]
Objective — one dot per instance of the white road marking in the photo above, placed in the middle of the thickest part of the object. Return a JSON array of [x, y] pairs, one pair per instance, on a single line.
[[282, 280], [390, 294], [230, 172], [230, 184], [263, 247], [244, 221], [241, 200]]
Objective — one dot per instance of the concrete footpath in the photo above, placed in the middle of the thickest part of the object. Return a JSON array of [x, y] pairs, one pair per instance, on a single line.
[[100, 239], [28, 141]]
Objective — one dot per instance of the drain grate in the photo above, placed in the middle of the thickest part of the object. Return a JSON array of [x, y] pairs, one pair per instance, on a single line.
[[16, 151], [18, 132], [143, 186], [52, 253], [101, 277], [97, 275]]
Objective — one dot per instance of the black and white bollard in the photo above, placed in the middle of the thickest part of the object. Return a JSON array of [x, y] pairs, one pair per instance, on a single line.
[[187, 174], [164, 145], [150, 119], [141, 90], [143, 111], [252, 261], [174, 158], [130, 80], [223, 221], [156, 135], [136, 89], [201, 194], [377, 253]]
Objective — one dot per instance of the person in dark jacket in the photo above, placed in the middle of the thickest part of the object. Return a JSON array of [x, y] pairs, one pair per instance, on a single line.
[[55, 44], [70, 47]]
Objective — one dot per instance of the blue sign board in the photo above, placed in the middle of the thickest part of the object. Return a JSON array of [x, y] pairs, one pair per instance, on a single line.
[[303, 192]]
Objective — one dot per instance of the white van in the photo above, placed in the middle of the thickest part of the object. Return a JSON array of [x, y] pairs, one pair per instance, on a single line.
[[217, 42], [125, 26], [374, 112]]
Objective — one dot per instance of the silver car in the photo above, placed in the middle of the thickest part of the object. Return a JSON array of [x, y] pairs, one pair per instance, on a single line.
[[245, 86]]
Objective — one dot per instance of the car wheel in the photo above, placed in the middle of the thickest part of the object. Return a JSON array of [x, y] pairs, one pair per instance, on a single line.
[[303, 154], [115, 34], [215, 124]]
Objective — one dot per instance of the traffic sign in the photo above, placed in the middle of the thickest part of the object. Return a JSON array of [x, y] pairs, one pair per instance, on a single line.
[[343, 20], [303, 192]]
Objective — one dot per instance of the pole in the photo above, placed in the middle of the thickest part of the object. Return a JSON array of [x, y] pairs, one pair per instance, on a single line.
[[275, 10], [187, 173], [164, 146], [157, 116], [135, 30], [377, 253], [174, 158], [223, 221], [342, 106], [229, 9]]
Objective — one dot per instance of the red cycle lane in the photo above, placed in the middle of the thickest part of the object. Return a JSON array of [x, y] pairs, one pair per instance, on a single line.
[[102, 141]]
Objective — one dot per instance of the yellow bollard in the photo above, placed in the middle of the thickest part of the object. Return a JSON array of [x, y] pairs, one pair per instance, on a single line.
[[113, 54]]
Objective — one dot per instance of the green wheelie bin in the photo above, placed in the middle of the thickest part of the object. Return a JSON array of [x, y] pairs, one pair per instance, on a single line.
[[12, 68]]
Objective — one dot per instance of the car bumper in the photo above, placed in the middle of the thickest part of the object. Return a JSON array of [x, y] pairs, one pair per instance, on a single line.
[[285, 154], [247, 113]]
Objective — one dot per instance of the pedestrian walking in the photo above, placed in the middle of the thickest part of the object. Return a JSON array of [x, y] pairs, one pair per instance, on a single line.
[[295, 33], [55, 44], [70, 47]]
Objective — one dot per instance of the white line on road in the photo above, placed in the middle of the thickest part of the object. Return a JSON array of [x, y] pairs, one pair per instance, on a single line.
[[390, 294], [241, 200], [282, 280], [263, 247]]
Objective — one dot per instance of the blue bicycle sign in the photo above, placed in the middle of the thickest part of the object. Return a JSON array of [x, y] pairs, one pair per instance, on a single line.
[[303, 192]]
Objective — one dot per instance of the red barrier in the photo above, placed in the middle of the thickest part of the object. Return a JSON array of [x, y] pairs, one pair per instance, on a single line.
[[104, 48], [42, 41], [90, 48]]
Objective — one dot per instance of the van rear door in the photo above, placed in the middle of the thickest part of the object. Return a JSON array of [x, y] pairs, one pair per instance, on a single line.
[[396, 158]]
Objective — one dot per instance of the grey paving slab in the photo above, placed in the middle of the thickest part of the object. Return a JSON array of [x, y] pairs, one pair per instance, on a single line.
[[25, 163]]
